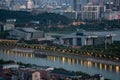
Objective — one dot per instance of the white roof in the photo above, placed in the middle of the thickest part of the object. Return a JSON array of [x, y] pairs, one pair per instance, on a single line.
[[29, 29]]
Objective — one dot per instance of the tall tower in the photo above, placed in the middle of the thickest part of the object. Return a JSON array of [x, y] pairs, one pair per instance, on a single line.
[[30, 4]]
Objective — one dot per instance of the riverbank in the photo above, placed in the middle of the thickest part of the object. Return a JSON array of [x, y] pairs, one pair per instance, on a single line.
[[69, 55], [87, 58], [23, 65], [69, 64]]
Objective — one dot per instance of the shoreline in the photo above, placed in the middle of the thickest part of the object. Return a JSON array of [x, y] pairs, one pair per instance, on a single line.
[[87, 58], [71, 55]]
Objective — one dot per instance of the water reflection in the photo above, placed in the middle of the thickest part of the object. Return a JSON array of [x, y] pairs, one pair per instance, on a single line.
[[85, 63], [68, 60], [117, 68], [105, 67], [22, 54]]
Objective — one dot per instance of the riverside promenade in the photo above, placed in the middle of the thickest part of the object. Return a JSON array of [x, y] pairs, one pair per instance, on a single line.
[[61, 54]]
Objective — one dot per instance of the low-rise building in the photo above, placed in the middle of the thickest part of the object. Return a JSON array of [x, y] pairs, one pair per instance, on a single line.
[[97, 77], [79, 39], [8, 66], [8, 26], [64, 75], [26, 34], [35, 72], [28, 74]]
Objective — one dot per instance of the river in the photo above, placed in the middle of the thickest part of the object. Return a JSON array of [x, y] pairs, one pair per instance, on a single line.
[[68, 62]]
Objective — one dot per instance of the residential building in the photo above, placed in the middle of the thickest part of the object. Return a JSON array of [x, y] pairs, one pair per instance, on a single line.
[[78, 6], [35, 72], [28, 74], [64, 75], [26, 34], [93, 12], [113, 15]]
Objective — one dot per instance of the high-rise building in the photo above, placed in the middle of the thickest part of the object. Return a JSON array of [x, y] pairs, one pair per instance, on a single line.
[[78, 7], [30, 4], [93, 12], [79, 4]]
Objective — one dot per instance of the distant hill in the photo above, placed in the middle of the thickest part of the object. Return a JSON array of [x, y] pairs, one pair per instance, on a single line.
[[22, 16]]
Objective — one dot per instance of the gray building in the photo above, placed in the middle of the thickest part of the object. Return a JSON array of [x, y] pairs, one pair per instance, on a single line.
[[78, 6], [79, 39], [26, 33]]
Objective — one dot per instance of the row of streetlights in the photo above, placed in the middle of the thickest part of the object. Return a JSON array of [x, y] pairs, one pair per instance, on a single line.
[[88, 53]]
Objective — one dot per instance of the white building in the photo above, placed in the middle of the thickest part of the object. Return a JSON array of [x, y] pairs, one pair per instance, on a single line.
[[93, 12], [8, 66], [8, 26], [26, 34], [30, 4]]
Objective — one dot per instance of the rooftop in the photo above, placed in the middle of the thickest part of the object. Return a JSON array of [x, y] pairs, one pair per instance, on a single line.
[[65, 73], [29, 29]]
